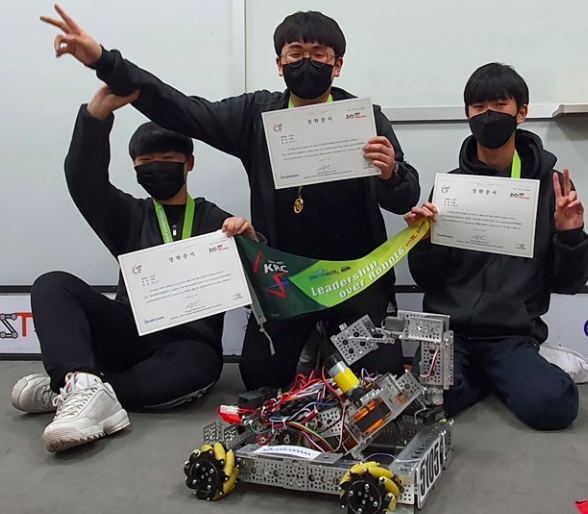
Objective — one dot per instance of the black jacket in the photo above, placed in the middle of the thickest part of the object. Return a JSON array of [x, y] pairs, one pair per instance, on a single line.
[[124, 223], [493, 296], [234, 126]]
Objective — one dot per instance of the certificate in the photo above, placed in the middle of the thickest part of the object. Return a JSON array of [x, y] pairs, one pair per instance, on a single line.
[[487, 214], [320, 143], [175, 283]]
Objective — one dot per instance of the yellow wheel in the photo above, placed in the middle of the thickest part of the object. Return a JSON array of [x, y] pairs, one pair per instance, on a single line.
[[368, 488], [211, 472]]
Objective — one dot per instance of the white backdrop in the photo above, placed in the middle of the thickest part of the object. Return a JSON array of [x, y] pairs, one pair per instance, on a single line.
[[570, 330], [404, 53], [398, 55], [40, 97]]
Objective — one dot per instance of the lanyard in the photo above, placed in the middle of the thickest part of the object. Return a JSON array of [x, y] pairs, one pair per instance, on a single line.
[[299, 202], [515, 171], [291, 103], [164, 225]]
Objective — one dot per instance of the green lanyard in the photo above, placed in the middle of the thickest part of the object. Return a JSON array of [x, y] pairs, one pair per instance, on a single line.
[[164, 225], [515, 171], [299, 202]]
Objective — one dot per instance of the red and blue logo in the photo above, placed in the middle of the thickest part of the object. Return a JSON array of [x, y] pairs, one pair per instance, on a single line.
[[279, 273]]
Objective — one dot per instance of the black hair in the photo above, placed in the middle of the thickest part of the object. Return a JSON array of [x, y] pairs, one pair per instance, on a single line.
[[496, 81], [151, 138], [308, 27]]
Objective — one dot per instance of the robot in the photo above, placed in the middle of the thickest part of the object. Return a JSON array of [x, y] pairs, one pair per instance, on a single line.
[[380, 443]]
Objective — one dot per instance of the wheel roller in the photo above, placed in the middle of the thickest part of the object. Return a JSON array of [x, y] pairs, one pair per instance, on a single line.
[[368, 489], [211, 472]]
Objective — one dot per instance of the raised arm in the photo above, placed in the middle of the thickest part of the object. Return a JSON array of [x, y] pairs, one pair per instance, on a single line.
[[223, 125], [107, 210]]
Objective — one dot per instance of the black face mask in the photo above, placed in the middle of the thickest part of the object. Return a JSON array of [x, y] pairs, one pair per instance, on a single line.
[[493, 129], [306, 80], [161, 179]]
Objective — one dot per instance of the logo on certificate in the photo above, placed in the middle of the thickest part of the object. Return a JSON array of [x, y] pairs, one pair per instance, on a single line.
[[217, 248], [137, 269], [520, 196], [355, 116]]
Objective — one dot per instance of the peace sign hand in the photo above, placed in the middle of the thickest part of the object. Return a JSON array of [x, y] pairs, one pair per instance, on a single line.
[[74, 40], [569, 211]]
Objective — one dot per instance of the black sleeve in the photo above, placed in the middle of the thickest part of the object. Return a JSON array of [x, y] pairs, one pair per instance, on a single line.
[[224, 125], [568, 271], [216, 217], [428, 264], [108, 210], [402, 191]]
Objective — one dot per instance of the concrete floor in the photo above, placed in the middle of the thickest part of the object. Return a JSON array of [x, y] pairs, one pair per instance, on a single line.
[[499, 467]]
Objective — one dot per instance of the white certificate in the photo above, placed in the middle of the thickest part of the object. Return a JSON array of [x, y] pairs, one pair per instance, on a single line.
[[175, 283], [320, 143], [487, 214]]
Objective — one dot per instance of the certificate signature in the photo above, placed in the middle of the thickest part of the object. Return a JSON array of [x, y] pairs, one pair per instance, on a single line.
[[480, 239], [192, 305], [325, 168]]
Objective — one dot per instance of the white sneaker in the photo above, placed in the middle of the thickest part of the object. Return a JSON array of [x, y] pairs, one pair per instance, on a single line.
[[572, 362], [33, 394], [87, 409]]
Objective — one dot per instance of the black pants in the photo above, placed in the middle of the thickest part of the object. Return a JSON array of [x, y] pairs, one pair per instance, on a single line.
[[259, 368], [82, 330], [538, 393]]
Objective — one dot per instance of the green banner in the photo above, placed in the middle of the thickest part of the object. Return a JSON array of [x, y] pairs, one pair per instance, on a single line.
[[288, 285]]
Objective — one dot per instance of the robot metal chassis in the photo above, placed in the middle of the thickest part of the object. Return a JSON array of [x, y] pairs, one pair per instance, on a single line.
[[423, 450]]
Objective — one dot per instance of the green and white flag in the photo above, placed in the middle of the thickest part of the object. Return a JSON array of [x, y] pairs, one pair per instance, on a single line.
[[288, 285]]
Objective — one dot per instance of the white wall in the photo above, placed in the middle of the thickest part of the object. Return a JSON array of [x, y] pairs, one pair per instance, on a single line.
[[406, 53], [189, 43]]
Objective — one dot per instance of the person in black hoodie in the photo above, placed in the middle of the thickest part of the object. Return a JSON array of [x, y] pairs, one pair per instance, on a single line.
[[338, 221], [86, 337], [496, 301]]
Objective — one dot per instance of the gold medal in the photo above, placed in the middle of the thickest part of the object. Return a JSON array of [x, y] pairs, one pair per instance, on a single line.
[[298, 205], [299, 202]]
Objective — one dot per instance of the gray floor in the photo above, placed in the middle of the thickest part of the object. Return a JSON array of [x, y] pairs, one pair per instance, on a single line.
[[499, 467]]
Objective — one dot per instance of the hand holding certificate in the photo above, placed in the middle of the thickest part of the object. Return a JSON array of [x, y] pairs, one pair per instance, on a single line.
[[180, 282], [487, 214], [320, 143]]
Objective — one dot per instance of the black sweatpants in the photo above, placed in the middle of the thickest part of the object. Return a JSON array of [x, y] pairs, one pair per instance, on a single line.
[[537, 392], [82, 330], [259, 368]]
